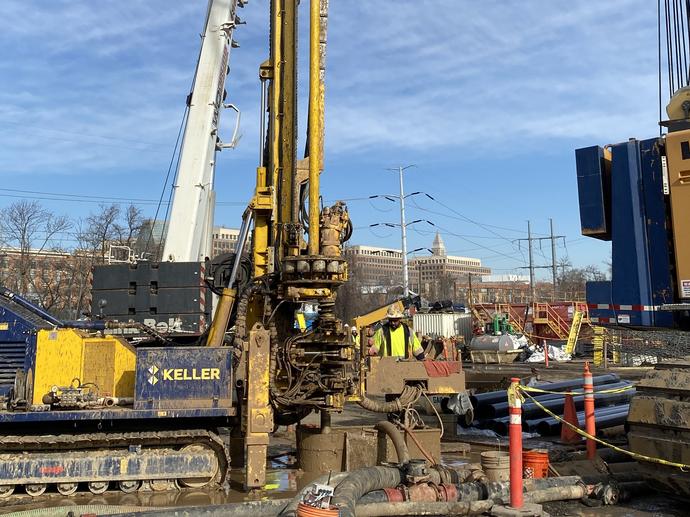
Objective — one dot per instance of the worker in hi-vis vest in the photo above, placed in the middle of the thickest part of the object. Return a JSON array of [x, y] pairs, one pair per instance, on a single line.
[[395, 339]]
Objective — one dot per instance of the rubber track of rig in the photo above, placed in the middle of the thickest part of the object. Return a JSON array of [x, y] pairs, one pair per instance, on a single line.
[[105, 441]]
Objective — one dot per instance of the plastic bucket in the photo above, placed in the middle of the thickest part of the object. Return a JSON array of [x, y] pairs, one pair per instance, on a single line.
[[535, 463], [304, 510], [496, 465]]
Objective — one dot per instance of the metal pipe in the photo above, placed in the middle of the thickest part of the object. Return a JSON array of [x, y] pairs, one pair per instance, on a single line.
[[241, 241], [315, 134], [85, 324], [262, 124], [20, 300]]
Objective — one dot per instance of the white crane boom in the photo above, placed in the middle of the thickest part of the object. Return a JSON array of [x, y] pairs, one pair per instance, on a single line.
[[188, 234]]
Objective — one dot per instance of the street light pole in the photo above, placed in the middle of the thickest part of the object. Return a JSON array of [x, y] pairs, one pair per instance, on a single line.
[[403, 231]]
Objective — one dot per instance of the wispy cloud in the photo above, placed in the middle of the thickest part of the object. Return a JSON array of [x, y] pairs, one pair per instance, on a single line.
[[447, 74]]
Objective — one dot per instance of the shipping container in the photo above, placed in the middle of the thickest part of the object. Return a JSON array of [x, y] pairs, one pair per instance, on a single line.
[[443, 324]]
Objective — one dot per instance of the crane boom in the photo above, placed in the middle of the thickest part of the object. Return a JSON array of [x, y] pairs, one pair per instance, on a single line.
[[188, 235]]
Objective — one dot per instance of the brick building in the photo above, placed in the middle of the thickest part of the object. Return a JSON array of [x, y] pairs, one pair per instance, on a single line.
[[376, 266]]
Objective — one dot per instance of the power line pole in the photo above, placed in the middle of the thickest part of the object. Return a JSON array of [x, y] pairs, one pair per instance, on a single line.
[[531, 263], [533, 267], [553, 261], [403, 230]]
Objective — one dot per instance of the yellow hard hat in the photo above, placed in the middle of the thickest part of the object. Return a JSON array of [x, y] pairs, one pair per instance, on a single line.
[[393, 313]]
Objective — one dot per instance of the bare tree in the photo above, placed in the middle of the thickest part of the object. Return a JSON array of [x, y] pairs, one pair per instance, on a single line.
[[128, 230], [101, 228], [572, 280], [29, 228]]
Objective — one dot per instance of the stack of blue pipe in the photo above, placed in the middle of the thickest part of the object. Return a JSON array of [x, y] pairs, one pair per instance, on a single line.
[[611, 409]]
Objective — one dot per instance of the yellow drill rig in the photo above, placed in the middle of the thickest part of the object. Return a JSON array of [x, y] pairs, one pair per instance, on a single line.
[[295, 355]]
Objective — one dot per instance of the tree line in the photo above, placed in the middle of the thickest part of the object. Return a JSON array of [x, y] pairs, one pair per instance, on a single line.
[[48, 257]]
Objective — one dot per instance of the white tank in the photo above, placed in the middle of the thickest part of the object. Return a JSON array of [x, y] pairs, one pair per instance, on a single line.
[[502, 343]]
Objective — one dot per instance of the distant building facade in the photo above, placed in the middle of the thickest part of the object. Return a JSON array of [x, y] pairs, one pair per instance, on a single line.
[[224, 240], [433, 273], [376, 266]]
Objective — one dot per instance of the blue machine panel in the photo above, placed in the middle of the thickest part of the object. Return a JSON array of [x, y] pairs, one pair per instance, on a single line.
[[18, 329], [630, 255], [183, 377], [594, 192], [657, 231], [627, 206]]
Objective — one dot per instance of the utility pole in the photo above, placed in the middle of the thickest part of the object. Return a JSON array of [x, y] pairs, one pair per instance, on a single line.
[[553, 261], [403, 230], [531, 263], [532, 267]]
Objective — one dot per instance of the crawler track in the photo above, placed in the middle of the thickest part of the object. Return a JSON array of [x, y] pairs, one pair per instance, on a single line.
[[127, 459]]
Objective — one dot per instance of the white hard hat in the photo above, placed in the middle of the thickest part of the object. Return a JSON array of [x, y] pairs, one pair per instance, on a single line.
[[393, 313]]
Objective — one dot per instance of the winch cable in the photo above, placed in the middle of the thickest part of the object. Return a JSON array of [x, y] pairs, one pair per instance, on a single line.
[[677, 31], [183, 125]]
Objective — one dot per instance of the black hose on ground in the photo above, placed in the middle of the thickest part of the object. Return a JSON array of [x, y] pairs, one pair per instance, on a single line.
[[409, 396], [360, 482], [397, 438]]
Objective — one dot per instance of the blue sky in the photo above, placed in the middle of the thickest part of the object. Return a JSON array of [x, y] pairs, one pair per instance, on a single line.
[[489, 99]]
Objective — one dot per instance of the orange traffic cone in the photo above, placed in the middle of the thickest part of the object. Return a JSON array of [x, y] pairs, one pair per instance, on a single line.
[[570, 416]]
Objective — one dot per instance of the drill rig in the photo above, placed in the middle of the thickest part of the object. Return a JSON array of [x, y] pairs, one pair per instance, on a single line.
[[295, 355]]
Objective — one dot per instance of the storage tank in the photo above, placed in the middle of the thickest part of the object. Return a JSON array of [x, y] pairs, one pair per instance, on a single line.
[[502, 348]]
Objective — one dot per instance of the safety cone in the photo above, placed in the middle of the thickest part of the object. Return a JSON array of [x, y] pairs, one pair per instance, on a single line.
[[570, 416]]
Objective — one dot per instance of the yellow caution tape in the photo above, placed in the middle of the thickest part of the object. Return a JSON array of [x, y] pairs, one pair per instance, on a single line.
[[613, 390], [684, 467], [514, 394]]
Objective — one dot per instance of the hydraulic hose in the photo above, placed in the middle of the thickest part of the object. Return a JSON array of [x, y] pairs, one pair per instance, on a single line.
[[409, 396], [360, 482], [493, 491], [557, 493], [400, 509], [397, 438]]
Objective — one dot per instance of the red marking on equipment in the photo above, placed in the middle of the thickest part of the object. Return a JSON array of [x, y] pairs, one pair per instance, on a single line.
[[58, 469]]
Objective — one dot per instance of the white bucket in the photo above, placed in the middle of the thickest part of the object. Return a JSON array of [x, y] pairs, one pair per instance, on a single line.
[[496, 465]]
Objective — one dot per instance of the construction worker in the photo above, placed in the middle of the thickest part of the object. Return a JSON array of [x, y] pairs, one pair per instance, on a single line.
[[355, 335], [395, 339]]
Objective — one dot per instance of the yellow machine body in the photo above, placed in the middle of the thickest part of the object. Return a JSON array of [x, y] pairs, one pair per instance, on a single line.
[[678, 156], [63, 355]]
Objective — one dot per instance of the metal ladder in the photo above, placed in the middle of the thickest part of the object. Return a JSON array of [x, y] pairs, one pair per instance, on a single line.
[[574, 332]]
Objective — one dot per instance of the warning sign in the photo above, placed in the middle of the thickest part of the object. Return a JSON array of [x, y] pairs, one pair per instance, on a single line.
[[685, 288]]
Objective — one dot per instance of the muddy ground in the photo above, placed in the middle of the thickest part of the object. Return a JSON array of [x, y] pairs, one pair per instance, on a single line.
[[284, 480]]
